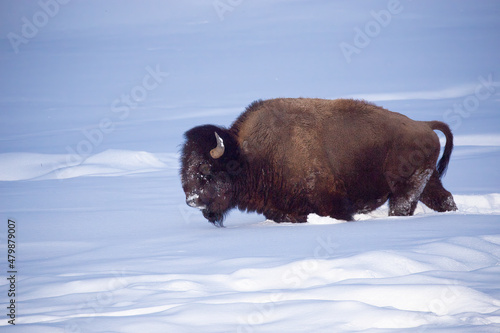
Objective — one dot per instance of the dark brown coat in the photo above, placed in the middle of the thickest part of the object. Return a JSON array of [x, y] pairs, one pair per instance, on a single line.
[[287, 158]]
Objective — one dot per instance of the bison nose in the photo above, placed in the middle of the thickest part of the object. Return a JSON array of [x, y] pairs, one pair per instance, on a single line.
[[193, 201]]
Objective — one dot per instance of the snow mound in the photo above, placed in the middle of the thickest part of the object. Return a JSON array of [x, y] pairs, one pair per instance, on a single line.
[[479, 204], [432, 283], [467, 204], [316, 219], [491, 140], [112, 162]]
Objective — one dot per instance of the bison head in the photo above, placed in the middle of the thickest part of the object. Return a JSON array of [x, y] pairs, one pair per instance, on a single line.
[[209, 167]]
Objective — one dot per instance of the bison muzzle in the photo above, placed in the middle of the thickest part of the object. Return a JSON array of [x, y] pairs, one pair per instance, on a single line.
[[290, 157]]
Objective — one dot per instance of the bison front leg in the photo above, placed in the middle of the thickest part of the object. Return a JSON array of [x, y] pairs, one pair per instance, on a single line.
[[405, 193], [401, 206]]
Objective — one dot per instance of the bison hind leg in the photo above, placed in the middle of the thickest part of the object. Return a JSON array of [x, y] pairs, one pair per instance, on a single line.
[[436, 197], [405, 193]]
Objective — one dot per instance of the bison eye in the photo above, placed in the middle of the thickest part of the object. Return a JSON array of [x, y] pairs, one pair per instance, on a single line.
[[205, 173], [205, 178], [205, 169]]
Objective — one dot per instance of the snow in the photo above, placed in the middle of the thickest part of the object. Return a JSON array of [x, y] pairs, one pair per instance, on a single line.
[[112, 162], [94, 103]]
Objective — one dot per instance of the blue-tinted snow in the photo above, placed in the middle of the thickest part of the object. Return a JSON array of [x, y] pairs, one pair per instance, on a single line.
[[93, 105]]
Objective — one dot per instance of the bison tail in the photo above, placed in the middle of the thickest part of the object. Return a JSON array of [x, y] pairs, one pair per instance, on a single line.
[[445, 159]]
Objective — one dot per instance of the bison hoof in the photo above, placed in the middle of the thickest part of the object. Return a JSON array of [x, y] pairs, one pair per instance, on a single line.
[[449, 205]]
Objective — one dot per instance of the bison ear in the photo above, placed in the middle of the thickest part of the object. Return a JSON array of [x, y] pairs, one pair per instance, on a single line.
[[218, 151]]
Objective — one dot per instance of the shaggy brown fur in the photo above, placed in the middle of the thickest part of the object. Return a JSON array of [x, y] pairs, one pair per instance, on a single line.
[[287, 158]]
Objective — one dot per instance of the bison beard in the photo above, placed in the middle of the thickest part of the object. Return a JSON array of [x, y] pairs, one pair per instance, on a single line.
[[287, 158]]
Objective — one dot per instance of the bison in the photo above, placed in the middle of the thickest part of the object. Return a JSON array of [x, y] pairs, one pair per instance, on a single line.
[[289, 157]]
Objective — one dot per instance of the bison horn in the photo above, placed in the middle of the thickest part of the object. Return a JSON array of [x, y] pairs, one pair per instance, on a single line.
[[218, 151]]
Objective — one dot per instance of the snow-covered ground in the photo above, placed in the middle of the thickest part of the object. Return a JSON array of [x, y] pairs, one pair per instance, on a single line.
[[95, 97]]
